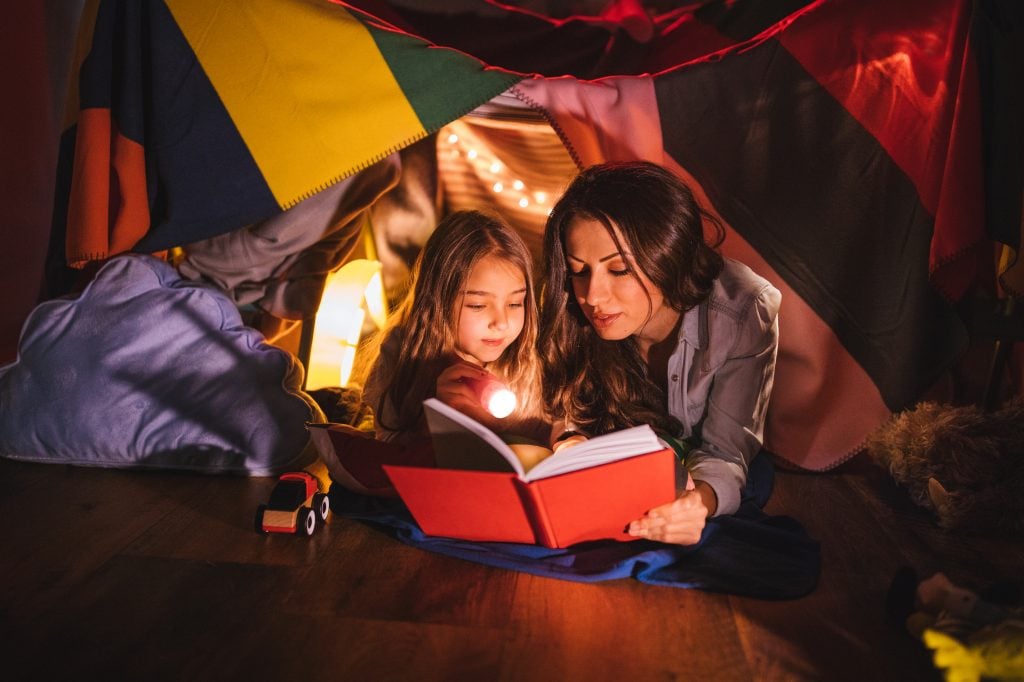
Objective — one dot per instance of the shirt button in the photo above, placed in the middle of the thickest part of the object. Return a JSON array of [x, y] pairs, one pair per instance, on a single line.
[[675, 377]]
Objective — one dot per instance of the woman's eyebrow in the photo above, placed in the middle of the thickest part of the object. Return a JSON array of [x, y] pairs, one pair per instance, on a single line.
[[616, 254]]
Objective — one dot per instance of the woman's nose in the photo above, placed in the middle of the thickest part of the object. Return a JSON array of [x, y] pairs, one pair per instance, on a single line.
[[595, 291]]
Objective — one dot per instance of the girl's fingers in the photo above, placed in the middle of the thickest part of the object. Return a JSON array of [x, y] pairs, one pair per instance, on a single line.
[[568, 442], [453, 378], [464, 368]]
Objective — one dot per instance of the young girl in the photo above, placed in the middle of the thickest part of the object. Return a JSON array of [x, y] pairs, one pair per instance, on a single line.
[[645, 322], [470, 315]]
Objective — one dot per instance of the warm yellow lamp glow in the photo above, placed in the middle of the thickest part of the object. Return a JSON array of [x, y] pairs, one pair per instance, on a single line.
[[348, 295]]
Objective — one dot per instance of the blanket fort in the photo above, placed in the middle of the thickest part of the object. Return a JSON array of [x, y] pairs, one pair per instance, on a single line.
[[846, 164]]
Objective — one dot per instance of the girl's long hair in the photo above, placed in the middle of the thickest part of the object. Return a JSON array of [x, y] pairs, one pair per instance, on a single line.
[[599, 385], [424, 328]]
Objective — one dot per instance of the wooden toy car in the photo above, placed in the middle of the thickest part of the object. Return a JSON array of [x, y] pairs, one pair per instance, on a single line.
[[296, 505]]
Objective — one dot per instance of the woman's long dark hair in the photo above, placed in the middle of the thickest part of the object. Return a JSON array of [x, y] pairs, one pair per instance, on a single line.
[[599, 385]]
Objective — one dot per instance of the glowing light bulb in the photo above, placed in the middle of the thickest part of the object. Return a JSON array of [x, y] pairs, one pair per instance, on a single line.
[[517, 185], [524, 202], [498, 187], [501, 402], [494, 396], [471, 154], [495, 167], [453, 138]]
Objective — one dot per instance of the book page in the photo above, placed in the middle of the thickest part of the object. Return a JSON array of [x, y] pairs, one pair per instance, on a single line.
[[461, 442], [529, 454], [609, 447]]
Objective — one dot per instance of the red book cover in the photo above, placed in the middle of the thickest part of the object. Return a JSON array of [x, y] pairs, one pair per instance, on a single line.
[[597, 503], [588, 504], [471, 505], [480, 489]]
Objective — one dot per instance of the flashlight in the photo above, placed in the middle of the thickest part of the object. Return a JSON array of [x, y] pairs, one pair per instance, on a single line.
[[494, 395]]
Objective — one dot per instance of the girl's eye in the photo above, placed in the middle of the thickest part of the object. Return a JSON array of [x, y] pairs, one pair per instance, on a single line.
[[576, 274], [620, 273], [516, 305], [475, 306]]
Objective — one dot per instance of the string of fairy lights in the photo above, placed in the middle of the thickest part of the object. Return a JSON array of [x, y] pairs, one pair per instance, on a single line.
[[494, 175]]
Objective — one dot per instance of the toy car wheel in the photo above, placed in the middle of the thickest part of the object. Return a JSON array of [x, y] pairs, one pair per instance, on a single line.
[[306, 523], [322, 505], [259, 519]]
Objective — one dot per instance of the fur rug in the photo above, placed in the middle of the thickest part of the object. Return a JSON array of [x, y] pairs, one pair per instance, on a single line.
[[964, 464]]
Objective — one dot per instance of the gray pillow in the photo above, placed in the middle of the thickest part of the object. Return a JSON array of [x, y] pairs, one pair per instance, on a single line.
[[146, 369]]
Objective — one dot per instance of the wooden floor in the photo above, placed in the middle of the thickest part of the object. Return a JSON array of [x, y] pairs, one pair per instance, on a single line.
[[130, 575]]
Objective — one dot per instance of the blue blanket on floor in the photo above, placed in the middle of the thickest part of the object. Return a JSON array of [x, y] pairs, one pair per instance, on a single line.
[[749, 553]]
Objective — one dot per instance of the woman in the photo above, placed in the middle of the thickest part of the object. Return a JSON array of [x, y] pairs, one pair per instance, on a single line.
[[643, 321]]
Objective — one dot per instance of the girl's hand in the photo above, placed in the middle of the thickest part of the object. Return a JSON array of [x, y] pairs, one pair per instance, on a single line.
[[566, 442], [562, 436], [679, 522], [452, 390]]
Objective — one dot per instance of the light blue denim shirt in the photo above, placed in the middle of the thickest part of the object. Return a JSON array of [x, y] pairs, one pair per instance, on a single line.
[[720, 378]]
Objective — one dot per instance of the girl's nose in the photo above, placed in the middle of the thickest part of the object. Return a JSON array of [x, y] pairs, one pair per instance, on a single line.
[[500, 319]]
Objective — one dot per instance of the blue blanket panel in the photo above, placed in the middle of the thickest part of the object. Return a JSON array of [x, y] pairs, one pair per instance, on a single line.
[[750, 553]]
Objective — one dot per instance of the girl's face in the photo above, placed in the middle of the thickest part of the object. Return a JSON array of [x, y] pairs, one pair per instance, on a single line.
[[616, 296], [493, 310]]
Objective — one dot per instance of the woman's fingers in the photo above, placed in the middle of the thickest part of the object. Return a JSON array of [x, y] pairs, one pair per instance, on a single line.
[[678, 522]]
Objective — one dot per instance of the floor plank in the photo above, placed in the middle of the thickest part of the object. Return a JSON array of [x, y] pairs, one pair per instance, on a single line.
[[153, 575]]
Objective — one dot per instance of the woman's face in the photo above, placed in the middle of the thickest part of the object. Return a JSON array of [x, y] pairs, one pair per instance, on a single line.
[[492, 310], [617, 303]]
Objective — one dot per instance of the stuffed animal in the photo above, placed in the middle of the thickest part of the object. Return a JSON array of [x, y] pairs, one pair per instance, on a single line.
[[970, 638], [964, 464], [345, 406]]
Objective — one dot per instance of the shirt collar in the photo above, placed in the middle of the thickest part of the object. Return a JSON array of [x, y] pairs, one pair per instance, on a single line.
[[690, 331]]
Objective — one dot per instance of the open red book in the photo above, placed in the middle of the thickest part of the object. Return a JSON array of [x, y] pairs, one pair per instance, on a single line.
[[480, 490]]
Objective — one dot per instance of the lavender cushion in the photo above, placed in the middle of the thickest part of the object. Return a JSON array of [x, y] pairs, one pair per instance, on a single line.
[[146, 369]]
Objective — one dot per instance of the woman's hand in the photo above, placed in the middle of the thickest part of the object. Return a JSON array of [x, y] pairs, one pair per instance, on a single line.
[[679, 522], [454, 388]]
